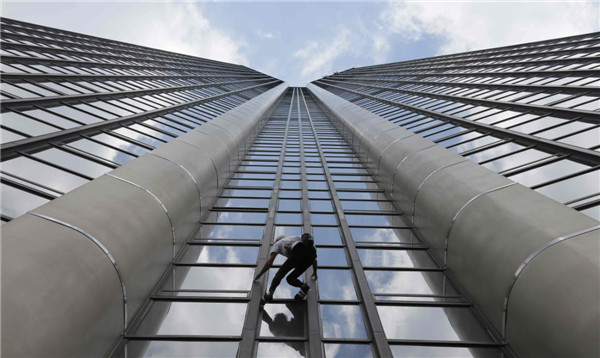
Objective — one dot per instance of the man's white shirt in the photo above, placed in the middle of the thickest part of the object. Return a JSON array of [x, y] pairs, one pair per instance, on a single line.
[[285, 245]]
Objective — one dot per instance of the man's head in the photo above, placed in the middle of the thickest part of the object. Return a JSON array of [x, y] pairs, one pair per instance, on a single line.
[[307, 238]]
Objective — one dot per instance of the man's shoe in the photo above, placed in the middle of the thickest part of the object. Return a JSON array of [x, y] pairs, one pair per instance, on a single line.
[[268, 297], [302, 293]]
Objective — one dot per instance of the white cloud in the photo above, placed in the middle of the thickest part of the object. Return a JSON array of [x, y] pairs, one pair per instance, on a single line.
[[267, 35], [473, 25], [317, 56]]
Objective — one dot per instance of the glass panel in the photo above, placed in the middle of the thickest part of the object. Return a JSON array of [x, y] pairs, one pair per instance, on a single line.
[[289, 205], [336, 285], [236, 217], [395, 258], [321, 205], [286, 320], [547, 172], [515, 160], [573, 188], [327, 235], [102, 151], [212, 278], [246, 182], [25, 125], [431, 323], [375, 220], [247, 193], [120, 143], [220, 254], [367, 205], [409, 282], [34, 171], [287, 218], [444, 352], [323, 219], [8, 136], [159, 349], [333, 350], [73, 162], [190, 318], [16, 202], [383, 235], [242, 203], [230, 232], [331, 257], [287, 230], [342, 321], [290, 349]]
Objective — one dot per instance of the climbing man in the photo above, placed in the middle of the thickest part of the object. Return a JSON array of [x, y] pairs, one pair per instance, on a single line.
[[301, 253]]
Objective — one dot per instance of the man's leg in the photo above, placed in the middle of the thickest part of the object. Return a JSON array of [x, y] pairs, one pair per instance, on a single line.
[[292, 279], [283, 270]]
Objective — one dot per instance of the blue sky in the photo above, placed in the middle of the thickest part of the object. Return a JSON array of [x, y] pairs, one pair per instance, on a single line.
[[302, 41]]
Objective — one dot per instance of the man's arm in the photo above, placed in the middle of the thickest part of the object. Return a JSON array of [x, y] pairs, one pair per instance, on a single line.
[[267, 265], [314, 275]]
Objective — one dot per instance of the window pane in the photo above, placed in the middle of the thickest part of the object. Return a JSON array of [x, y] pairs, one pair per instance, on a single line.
[[431, 323], [342, 321], [327, 235], [444, 352], [336, 285], [395, 258], [220, 254], [383, 235], [283, 320], [160, 349], [333, 350], [290, 349], [190, 318]]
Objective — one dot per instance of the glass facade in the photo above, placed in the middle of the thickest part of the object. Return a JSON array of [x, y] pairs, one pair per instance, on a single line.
[[75, 107], [530, 112], [379, 291]]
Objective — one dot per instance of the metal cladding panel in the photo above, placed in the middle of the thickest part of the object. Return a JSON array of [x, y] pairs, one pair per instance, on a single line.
[[200, 166], [444, 194], [496, 233], [128, 221], [394, 155], [56, 302], [173, 188], [418, 167], [215, 149], [550, 286]]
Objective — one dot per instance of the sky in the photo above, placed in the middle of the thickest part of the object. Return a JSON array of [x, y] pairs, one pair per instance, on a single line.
[[299, 42]]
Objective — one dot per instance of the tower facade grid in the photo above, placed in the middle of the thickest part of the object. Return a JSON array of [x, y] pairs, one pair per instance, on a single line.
[[142, 190]]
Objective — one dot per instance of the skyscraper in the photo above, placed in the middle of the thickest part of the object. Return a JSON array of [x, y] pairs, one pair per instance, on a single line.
[[453, 201]]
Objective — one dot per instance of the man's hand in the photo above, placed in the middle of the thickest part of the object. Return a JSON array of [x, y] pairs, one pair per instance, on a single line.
[[314, 276]]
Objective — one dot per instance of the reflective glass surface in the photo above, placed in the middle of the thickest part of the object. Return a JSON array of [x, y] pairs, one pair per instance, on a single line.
[[333, 350], [190, 318], [431, 323], [342, 321], [336, 285], [395, 258], [283, 320], [443, 352], [293, 349], [159, 349], [220, 254]]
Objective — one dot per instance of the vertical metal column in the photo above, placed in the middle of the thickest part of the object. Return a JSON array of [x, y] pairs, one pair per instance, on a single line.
[[382, 348], [249, 332]]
